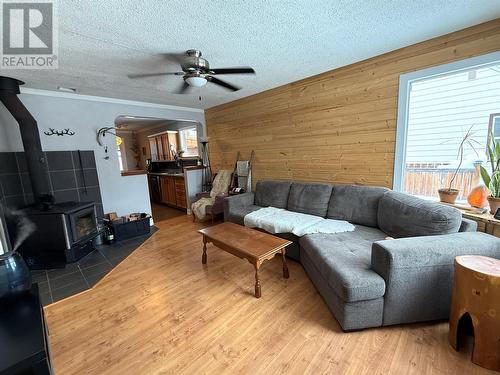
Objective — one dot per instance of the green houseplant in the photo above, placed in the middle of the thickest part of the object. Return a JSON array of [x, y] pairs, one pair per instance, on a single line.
[[449, 194], [492, 180]]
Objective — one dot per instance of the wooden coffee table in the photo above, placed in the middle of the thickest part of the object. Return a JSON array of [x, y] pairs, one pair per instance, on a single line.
[[250, 244]]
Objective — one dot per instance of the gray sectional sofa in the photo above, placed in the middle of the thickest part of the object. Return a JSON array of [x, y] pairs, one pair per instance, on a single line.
[[365, 279]]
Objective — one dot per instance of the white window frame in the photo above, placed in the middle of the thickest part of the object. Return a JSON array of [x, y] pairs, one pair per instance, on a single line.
[[195, 127], [405, 81]]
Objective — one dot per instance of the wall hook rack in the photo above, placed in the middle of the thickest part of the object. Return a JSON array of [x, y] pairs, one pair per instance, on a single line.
[[59, 133], [102, 133]]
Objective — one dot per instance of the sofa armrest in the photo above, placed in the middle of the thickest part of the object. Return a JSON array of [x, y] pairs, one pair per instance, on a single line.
[[418, 272], [205, 194], [468, 225], [218, 206], [237, 201], [430, 251]]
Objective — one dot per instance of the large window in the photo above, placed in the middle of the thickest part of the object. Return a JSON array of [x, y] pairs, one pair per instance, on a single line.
[[438, 106], [188, 138]]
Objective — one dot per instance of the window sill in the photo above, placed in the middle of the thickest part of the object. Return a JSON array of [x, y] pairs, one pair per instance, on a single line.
[[462, 205]]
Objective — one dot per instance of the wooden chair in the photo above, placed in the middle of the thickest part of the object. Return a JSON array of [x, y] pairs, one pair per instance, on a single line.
[[216, 209]]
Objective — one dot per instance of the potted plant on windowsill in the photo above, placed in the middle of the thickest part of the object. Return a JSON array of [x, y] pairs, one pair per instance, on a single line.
[[492, 181], [448, 194]]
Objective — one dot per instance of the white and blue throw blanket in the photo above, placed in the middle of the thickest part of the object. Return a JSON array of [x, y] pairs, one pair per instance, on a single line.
[[279, 220]]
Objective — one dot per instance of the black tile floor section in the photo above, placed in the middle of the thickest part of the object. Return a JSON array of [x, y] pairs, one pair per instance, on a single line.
[[57, 284]]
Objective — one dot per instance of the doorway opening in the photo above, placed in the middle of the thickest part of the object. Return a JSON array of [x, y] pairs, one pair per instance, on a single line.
[[168, 152]]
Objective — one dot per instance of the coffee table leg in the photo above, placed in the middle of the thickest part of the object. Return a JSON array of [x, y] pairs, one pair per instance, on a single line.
[[204, 256], [286, 273], [257, 282]]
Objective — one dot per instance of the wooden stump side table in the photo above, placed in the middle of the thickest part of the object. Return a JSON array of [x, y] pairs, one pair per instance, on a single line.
[[476, 292]]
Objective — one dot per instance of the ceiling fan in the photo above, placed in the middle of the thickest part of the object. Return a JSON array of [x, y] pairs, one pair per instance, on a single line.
[[196, 71]]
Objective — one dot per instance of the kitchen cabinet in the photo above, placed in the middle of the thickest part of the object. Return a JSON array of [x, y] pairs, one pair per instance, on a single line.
[[161, 151], [153, 147], [176, 190], [167, 190], [173, 191], [163, 146], [169, 142], [165, 142], [180, 193]]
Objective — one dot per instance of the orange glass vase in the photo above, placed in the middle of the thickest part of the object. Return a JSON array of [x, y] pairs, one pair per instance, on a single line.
[[478, 197]]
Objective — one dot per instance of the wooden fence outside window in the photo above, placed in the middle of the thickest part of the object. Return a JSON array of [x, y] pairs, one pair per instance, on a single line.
[[426, 179]]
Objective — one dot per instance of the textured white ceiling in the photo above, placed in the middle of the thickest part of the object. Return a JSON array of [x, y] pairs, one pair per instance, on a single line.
[[100, 42], [148, 123]]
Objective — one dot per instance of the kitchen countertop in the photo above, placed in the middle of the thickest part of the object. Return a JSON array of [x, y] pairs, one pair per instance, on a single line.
[[133, 172], [180, 174]]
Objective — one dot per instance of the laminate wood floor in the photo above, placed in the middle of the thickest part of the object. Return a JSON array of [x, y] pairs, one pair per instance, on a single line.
[[162, 212], [161, 312]]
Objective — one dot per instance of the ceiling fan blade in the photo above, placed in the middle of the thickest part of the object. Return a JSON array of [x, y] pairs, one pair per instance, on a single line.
[[239, 70], [133, 76], [222, 83], [176, 57], [183, 88]]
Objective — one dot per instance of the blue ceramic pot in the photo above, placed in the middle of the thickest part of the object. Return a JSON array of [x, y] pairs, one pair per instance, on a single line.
[[15, 276]]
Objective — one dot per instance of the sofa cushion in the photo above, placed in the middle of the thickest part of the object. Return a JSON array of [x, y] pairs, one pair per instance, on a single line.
[[309, 198], [403, 215], [293, 250], [288, 236], [344, 261], [237, 214], [356, 204], [350, 315], [272, 193]]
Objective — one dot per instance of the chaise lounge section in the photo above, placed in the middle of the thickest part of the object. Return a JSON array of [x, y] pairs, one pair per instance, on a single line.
[[366, 279]]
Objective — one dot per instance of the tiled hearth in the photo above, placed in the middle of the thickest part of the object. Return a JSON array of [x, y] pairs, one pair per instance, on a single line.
[[57, 284]]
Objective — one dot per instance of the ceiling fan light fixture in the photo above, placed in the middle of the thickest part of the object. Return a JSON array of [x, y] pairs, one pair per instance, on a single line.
[[196, 81], [196, 72]]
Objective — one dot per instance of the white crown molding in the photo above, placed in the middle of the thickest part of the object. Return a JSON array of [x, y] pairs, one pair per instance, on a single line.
[[67, 95]]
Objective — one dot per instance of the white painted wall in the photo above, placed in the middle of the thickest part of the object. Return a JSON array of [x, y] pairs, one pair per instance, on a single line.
[[84, 116]]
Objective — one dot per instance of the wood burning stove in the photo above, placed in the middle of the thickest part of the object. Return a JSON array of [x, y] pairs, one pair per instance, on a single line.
[[83, 223], [64, 233]]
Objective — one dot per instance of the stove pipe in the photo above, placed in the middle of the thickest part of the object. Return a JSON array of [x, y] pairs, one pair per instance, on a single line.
[[35, 158]]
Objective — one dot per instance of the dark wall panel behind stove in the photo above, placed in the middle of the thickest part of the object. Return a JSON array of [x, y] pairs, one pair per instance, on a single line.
[[73, 177]]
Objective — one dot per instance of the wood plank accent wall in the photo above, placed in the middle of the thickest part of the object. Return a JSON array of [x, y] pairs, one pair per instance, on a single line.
[[339, 126]]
